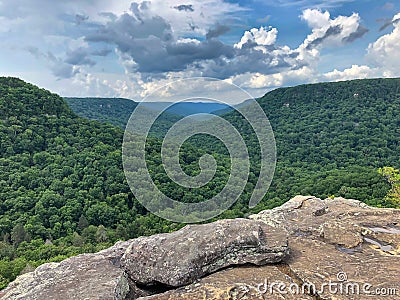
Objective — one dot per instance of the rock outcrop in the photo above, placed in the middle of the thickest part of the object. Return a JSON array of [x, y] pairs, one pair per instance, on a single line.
[[86, 276], [179, 258], [306, 249]]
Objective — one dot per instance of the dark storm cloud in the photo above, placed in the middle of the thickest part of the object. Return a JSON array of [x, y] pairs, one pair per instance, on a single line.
[[246, 60], [82, 56], [217, 31], [332, 31], [127, 29], [150, 44], [183, 7], [79, 57], [147, 46], [64, 71], [359, 33], [79, 19]]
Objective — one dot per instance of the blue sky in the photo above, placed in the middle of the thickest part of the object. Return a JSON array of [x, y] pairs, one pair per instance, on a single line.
[[129, 49]]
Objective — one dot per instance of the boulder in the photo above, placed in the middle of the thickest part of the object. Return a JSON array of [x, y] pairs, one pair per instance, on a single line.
[[179, 258], [87, 276]]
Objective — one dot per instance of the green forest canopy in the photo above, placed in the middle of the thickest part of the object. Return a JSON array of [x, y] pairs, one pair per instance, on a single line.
[[63, 190]]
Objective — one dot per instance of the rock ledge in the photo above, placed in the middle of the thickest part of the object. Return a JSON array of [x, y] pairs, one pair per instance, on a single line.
[[305, 242]]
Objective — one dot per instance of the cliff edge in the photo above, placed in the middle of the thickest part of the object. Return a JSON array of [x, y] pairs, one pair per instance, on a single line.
[[307, 248]]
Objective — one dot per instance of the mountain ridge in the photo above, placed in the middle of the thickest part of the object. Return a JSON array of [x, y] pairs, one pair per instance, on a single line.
[[63, 189]]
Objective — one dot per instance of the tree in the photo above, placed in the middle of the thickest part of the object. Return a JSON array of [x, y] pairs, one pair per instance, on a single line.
[[392, 175], [101, 234], [83, 222], [19, 234]]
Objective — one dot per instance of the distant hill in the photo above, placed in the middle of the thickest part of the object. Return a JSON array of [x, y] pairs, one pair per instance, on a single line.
[[188, 108], [342, 123], [18, 98], [117, 111], [330, 137]]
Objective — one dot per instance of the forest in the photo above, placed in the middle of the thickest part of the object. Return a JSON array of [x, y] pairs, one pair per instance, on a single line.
[[63, 190]]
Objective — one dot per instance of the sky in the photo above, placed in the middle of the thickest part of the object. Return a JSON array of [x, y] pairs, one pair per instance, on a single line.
[[124, 48]]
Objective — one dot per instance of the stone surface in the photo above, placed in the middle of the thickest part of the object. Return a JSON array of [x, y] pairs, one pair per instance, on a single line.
[[237, 283], [336, 239], [338, 249], [87, 276], [179, 258]]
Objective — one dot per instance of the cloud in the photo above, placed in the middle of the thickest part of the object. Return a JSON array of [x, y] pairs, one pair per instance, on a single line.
[[183, 7], [79, 19], [59, 68], [217, 31], [388, 22], [147, 44], [261, 82], [384, 52], [79, 56], [355, 72], [359, 33], [261, 37], [307, 3], [316, 18], [159, 40], [101, 52], [64, 70], [331, 32]]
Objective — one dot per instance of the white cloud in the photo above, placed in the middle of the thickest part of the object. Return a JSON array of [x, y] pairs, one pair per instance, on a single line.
[[154, 42], [316, 18], [262, 37], [355, 72], [203, 16], [385, 52], [257, 83], [257, 50], [307, 3], [327, 32]]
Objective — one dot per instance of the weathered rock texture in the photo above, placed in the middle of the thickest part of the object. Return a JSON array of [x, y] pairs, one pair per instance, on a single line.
[[236, 283], [179, 258], [86, 276], [340, 241], [338, 249]]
